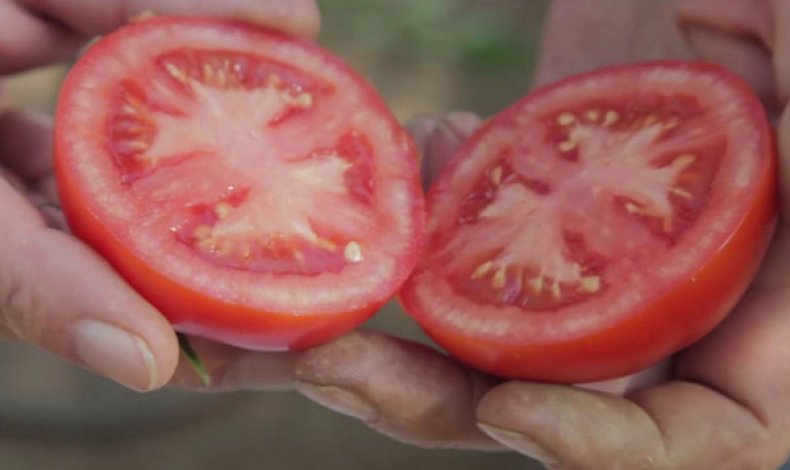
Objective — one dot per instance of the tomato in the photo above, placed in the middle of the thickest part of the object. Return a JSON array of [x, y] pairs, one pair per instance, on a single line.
[[598, 225], [249, 185]]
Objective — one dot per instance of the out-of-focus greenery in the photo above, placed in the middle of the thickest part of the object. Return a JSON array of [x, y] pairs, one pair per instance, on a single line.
[[484, 49], [440, 30]]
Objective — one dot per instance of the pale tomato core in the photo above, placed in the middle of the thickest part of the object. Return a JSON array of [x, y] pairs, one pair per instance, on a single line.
[[599, 224], [244, 165], [586, 201], [228, 107], [533, 227]]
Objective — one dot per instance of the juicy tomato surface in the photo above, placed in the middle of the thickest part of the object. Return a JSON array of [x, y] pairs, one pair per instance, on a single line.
[[598, 225], [249, 185]]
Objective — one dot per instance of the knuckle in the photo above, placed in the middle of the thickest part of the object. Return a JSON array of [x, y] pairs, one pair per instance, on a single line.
[[17, 311]]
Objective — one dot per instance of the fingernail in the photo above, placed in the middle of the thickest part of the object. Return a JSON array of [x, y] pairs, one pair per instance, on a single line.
[[519, 442], [116, 353], [340, 399]]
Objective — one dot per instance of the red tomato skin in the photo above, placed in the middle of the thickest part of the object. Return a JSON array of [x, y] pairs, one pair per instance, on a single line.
[[682, 316], [200, 314], [196, 313]]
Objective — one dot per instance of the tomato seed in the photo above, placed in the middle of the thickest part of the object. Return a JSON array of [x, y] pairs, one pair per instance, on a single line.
[[353, 252], [499, 279], [496, 175], [591, 284], [610, 118], [176, 72], [566, 119], [568, 146], [592, 115]]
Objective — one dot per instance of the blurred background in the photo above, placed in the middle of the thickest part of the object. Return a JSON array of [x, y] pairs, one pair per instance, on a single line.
[[426, 57]]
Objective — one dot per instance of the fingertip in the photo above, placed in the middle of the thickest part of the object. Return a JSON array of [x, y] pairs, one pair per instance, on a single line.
[[122, 355], [405, 390], [520, 443], [507, 414], [72, 303], [463, 123], [781, 43], [300, 18], [506, 405], [163, 345], [441, 145]]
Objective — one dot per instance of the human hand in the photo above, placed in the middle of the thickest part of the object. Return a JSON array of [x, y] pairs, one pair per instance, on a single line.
[[54, 291], [725, 404]]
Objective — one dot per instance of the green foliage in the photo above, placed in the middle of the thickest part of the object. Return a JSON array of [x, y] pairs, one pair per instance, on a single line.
[[472, 35], [438, 55]]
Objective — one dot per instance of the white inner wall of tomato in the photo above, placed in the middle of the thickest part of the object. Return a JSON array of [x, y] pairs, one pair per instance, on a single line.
[[387, 234], [735, 171]]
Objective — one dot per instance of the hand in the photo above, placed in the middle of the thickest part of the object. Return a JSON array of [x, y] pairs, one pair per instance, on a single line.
[[54, 291], [726, 404]]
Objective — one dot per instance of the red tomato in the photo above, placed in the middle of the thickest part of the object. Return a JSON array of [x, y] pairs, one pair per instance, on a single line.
[[251, 186], [598, 225]]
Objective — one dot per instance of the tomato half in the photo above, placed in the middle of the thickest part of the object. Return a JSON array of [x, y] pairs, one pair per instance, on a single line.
[[251, 186], [598, 225]]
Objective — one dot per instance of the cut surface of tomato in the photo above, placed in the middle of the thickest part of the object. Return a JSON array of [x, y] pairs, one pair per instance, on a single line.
[[251, 186], [598, 225]]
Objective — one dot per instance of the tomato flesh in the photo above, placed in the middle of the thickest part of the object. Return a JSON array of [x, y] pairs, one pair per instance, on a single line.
[[592, 205], [250, 185]]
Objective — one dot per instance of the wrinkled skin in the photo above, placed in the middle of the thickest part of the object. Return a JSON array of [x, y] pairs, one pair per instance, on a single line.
[[54, 291], [725, 404]]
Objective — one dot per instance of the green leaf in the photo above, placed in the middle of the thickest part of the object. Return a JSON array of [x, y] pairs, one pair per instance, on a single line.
[[194, 360]]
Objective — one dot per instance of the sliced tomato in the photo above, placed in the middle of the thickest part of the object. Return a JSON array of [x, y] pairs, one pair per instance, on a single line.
[[251, 186], [598, 225]]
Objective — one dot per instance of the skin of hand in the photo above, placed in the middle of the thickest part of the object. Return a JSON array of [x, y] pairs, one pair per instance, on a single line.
[[725, 406], [726, 403], [55, 292]]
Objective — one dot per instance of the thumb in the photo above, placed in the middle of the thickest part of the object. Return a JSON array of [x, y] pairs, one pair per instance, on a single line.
[[57, 294], [678, 426]]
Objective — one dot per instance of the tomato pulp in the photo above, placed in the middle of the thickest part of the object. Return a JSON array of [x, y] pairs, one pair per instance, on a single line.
[[598, 225], [249, 185]]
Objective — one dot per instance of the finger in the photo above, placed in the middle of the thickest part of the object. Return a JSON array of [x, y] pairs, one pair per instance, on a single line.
[[653, 375], [783, 137], [747, 18], [750, 354], [742, 55], [609, 32], [677, 426], [49, 30], [781, 31], [90, 17], [438, 140], [405, 390], [26, 145], [232, 369], [736, 34], [56, 293], [27, 41]]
